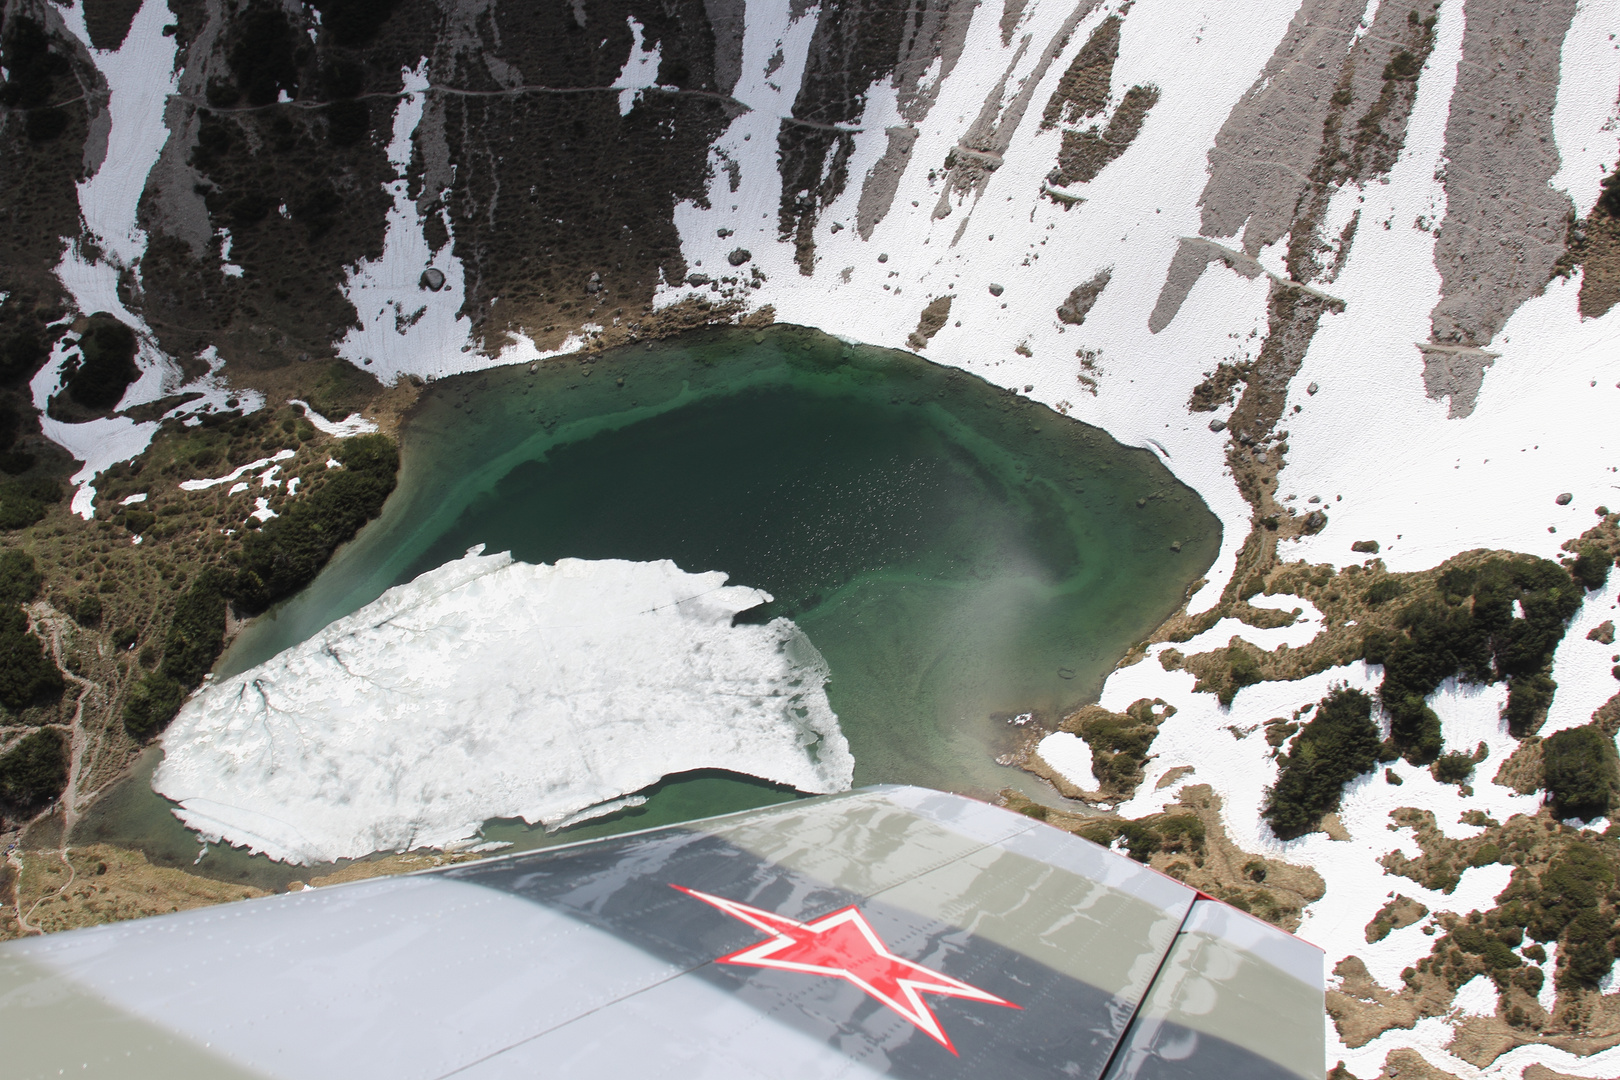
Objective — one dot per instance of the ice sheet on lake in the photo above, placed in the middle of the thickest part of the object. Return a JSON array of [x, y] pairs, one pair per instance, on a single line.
[[494, 688]]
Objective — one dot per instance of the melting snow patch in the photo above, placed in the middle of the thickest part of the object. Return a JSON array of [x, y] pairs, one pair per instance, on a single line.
[[640, 70], [131, 500], [1070, 755], [235, 474], [238, 488], [1476, 997], [353, 424], [494, 688], [262, 511], [407, 327]]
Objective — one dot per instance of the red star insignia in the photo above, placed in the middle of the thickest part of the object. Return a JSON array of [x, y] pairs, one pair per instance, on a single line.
[[843, 945]]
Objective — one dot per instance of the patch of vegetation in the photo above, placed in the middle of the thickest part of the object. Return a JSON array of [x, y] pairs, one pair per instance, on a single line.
[[1084, 88], [285, 555], [1471, 632], [1581, 772], [1591, 566], [1454, 768], [341, 389], [1242, 670], [34, 772], [1119, 742], [1570, 905], [1173, 833], [1385, 589], [106, 364], [20, 579], [152, 703], [32, 68], [1217, 388], [264, 58], [28, 676], [24, 502], [354, 22], [197, 629], [1084, 154], [1339, 744], [274, 562]]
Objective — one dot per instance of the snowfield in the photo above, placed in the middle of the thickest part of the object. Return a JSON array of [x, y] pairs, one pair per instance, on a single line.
[[493, 688]]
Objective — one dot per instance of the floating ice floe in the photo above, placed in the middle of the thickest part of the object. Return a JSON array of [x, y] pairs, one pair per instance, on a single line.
[[492, 688]]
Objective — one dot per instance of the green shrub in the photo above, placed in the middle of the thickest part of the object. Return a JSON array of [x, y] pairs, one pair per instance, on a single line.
[[1585, 954], [197, 630], [28, 676], [1384, 589], [23, 502], [1454, 768], [1243, 670], [1591, 566], [1140, 840], [287, 553], [1581, 771], [1338, 744], [1403, 67], [20, 579], [106, 366], [263, 57], [1471, 632], [1182, 832], [35, 771], [341, 389], [87, 611], [152, 704], [354, 22]]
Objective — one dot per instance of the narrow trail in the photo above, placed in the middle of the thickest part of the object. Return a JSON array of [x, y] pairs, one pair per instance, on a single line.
[[47, 619]]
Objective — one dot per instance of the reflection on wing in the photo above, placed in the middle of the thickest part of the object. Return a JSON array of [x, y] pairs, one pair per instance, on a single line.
[[888, 932]]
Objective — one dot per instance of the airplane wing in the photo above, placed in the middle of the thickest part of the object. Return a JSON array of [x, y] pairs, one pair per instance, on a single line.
[[891, 931]]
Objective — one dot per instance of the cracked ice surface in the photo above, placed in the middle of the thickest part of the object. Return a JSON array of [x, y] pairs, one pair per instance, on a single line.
[[493, 688]]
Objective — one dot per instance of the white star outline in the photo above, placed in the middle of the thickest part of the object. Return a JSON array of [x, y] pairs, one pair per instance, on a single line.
[[912, 1006]]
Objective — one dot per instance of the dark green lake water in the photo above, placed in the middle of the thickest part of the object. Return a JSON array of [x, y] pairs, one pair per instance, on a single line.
[[958, 554]]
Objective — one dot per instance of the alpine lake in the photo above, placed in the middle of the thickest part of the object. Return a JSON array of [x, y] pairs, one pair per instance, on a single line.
[[964, 559]]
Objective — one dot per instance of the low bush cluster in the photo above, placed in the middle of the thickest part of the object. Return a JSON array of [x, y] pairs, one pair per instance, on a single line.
[[1173, 833], [1569, 904], [28, 676], [1119, 743], [1581, 772], [287, 553], [1474, 631], [34, 772], [106, 364], [1338, 744], [23, 502]]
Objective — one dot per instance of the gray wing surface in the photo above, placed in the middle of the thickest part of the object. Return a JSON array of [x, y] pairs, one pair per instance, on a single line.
[[888, 932]]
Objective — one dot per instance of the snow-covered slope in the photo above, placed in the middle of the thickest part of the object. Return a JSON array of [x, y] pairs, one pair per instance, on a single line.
[[493, 688]]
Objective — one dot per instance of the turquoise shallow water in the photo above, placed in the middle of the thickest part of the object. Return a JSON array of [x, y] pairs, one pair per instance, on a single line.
[[958, 554]]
